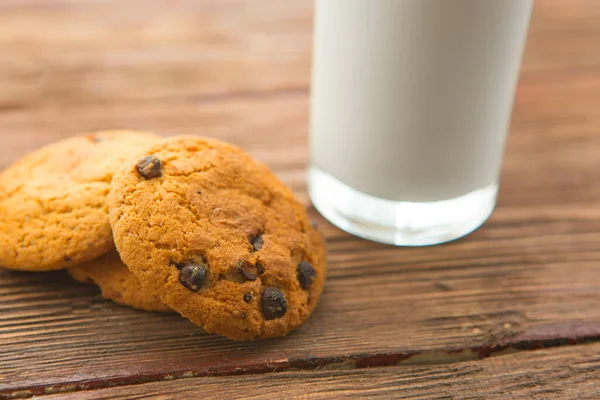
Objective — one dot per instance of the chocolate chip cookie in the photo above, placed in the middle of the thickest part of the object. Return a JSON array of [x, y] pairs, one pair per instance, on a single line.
[[53, 211], [218, 237], [117, 283]]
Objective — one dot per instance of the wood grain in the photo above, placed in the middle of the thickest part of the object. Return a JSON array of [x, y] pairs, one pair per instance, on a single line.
[[540, 374], [239, 70]]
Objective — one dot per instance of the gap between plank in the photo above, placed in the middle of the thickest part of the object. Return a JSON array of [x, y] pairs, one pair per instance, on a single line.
[[545, 336], [200, 99]]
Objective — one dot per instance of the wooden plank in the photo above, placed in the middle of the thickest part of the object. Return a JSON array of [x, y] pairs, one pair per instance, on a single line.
[[565, 373], [100, 52], [528, 279], [111, 53]]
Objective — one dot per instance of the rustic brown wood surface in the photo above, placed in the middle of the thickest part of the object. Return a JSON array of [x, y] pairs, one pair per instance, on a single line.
[[239, 70], [541, 374]]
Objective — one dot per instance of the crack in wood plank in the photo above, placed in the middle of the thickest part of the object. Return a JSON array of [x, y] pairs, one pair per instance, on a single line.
[[554, 374], [541, 337]]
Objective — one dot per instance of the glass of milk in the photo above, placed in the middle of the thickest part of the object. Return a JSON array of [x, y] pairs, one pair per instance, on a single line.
[[411, 104]]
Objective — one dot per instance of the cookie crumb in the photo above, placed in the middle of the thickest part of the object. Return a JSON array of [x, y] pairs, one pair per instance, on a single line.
[[93, 138]]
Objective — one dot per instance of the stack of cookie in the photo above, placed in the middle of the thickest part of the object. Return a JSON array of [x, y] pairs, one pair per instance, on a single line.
[[199, 228]]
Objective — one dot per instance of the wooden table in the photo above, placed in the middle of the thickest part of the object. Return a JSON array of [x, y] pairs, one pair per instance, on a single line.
[[511, 310]]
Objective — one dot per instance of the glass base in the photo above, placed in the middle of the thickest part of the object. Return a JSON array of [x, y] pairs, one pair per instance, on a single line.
[[397, 222]]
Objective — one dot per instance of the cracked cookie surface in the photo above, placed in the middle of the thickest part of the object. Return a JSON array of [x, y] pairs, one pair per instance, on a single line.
[[53, 211], [218, 237], [117, 283]]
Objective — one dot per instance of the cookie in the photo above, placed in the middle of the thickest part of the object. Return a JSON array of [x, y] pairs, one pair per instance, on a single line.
[[117, 283], [53, 211], [218, 237]]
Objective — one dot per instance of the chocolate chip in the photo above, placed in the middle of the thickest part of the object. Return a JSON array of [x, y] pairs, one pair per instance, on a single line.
[[192, 276], [274, 304], [68, 259], [243, 315], [198, 191], [244, 267], [257, 242], [306, 274], [149, 167], [248, 297], [259, 267]]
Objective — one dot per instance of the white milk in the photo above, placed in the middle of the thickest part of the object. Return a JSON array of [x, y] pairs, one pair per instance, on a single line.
[[411, 104]]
